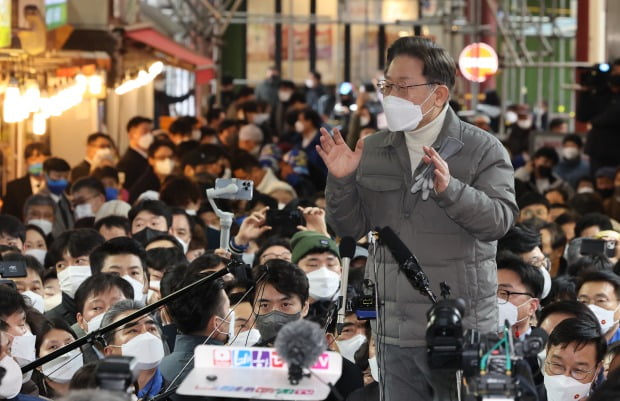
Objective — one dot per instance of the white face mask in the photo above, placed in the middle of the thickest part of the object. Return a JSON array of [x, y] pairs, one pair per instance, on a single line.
[[146, 348], [605, 317], [349, 347], [138, 288], [374, 368], [565, 388], [299, 127], [38, 254], [94, 323], [525, 124], [83, 210], [284, 96], [145, 141], [35, 300], [510, 312], [309, 83], [324, 284], [155, 285], [542, 357], [196, 135], [62, 369], [164, 167], [22, 348], [71, 277], [52, 302], [12, 380], [246, 338], [570, 153], [261, 118], [103, 156], [546, 282], [184, 244], [364, 120], [191, 212], [510, 117], [403, 115], [43, 224]]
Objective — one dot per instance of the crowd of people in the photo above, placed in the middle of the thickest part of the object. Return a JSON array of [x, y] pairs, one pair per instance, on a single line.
[[101, 239]]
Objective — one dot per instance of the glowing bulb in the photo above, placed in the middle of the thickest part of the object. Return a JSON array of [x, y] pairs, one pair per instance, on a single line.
[[95, 85], [32, 97], [39, 125], [156, 68]]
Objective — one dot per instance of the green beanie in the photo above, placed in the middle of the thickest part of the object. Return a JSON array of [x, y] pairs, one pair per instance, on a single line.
[[305, 241]]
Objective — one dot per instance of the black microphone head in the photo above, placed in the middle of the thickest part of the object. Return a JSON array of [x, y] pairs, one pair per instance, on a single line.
[[399, 250], [347, 247], [301, 343]]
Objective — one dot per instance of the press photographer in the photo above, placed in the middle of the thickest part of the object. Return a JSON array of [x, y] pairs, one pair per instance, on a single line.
[[599, 104]]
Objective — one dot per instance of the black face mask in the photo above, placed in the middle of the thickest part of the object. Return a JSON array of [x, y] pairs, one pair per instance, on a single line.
[[544, 171], [147, 234]]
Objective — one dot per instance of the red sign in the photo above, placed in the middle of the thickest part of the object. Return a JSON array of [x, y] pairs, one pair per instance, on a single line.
[[478, 61]]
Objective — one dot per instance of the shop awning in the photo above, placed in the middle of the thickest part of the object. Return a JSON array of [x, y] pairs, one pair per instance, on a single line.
[[203, 66]]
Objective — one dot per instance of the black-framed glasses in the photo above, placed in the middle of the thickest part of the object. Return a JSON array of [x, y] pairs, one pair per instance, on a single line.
[[559, 369], [503, 296], [385, 86]]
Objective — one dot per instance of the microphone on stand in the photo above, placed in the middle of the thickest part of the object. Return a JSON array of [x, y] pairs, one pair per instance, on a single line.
[[347, 251], [407, 263]]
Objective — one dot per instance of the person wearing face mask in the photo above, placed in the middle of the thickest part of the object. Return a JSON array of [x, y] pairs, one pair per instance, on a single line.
[[204, 164], [149, 219], [467, 202], [318, 256], [182, 227], [99, 147], [599, 106], [57, 187], [352, 337], [604, 182], [31, 286], [245, 332], [53, 377], [278, 113], [94, 297], [35, 243], [525, 242], [69, 256], [11, 382], [281, 297], [538, 176], [201, 317], [518, 140], [575, 352], [40, 210], [247, 167], [307, 127], [109, 177], [134, 161], [572, 165], [162, 161], [88, 195], [314, 90], [125, 257], [140, 339], [600, 291], [18, 190], [181, 130]]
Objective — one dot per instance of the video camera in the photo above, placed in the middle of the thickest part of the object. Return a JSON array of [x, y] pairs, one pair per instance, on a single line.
[[493, 366]]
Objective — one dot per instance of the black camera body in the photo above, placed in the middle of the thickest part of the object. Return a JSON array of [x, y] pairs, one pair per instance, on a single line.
[[284, 222], [485, 373]]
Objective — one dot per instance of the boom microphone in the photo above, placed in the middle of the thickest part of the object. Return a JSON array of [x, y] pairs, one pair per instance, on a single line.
[[300, 343], [347, 251], [407, 263]]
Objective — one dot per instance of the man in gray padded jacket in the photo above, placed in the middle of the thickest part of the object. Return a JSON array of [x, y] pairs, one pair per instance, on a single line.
[[450, 219]]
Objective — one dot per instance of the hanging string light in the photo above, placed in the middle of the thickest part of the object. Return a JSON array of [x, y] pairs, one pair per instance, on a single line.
[[143, 78]]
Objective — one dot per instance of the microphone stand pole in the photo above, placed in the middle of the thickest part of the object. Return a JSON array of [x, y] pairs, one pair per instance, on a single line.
[[97, 335]]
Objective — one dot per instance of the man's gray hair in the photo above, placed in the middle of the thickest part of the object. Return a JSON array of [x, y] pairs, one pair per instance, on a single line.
[[38, 200], [114, 311]]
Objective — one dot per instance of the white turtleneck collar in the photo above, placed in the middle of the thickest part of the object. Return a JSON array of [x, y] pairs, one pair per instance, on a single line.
[[424, 136]]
